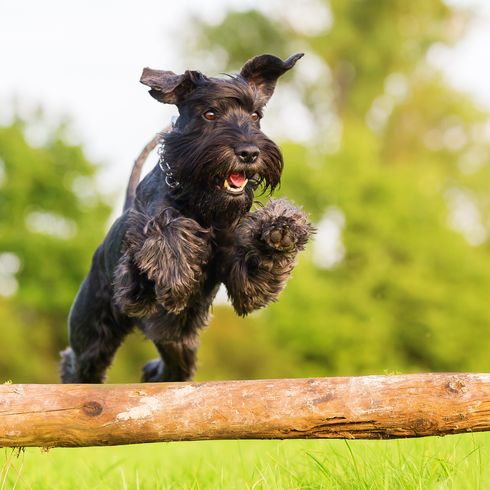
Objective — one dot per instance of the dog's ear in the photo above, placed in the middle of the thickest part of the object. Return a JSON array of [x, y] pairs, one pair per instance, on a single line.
[[263, 71], [169, 88]]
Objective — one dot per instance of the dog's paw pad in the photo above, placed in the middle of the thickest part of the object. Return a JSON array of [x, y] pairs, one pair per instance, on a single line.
[[280, 236], [275, 236]]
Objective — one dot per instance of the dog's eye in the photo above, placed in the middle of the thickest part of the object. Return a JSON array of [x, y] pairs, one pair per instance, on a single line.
[[210, 115], [255, 116]]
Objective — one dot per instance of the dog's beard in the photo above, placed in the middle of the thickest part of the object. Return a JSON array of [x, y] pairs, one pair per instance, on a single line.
[[213, 183], [218, 209]]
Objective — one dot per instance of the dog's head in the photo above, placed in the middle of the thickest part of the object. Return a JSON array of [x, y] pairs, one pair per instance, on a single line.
[[216, 151]]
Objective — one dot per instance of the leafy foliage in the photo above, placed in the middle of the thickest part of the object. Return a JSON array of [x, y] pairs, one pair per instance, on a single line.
[[394, 171], [410, 158], [51, 219]]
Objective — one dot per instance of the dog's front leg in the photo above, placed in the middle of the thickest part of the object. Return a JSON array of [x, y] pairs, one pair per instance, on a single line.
[[267, 243], [169, 250]]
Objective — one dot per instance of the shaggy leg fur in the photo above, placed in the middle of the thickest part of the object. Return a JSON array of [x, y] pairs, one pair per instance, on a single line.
[[166, 252], [267, 243], [134, 292]]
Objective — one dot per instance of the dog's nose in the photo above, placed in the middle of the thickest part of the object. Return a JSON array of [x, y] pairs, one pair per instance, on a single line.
[[247, 153]]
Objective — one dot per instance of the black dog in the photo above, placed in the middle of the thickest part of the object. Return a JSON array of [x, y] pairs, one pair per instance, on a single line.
[[187, 228]]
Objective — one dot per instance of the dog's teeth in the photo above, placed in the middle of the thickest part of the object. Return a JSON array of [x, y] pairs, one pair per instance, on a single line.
[[234, 189]]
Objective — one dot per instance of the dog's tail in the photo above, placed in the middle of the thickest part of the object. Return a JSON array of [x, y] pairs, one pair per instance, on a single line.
[[138, 166]]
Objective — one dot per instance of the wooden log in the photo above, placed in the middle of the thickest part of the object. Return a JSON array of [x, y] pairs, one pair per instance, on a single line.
[[370, 407]]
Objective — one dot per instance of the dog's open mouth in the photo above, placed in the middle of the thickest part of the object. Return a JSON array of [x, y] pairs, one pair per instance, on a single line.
[[235, 183]]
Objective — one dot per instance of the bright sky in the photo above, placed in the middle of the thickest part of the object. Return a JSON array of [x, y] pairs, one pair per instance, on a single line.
[[84, 59]]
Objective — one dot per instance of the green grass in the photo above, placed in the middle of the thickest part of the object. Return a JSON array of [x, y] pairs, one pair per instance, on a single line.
[[457, 462]]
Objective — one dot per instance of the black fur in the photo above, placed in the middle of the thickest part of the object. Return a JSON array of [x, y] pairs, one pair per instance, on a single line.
[[185, 232]]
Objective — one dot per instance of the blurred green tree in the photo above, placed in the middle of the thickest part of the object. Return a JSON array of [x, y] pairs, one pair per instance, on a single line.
[[52, 217], [395, 172], [391, 162]]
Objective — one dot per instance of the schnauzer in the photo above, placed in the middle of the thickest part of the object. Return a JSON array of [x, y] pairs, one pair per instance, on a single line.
[[187, 228]]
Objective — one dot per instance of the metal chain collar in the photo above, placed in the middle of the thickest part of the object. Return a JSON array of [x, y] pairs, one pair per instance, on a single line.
[[165, 167]]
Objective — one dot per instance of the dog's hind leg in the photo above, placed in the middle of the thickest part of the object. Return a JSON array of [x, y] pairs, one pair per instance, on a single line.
[[176, 339], [88, 362], [95, 335], [177, 361]]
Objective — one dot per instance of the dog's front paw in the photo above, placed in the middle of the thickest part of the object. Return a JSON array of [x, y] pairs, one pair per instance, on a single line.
[[284, 227], [133, 292], [282, 234]]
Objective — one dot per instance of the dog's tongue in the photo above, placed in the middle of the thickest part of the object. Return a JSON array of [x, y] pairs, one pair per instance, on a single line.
[[236, 179]]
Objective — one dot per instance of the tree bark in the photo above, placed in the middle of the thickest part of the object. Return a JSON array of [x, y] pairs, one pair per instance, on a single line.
[[370, 407]]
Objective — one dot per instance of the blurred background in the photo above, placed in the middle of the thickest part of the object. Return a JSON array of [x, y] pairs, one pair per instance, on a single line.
[[385, 129]]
